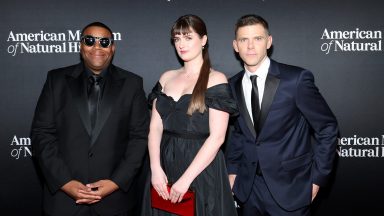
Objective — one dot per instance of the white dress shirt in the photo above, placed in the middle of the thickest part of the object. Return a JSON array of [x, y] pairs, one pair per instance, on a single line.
[[261, 73]]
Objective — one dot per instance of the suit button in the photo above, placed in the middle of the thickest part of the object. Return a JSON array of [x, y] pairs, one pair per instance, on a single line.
[[258, 143], [90, 154]]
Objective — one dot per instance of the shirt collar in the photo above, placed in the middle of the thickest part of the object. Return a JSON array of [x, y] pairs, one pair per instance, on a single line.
[[103, 73], [262, 71]]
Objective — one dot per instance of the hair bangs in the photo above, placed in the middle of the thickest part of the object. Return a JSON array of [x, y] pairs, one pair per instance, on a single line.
[[181, 28]]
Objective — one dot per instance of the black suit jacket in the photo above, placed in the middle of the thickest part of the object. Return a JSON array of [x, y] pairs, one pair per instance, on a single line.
[[66, 150], [292, 111]]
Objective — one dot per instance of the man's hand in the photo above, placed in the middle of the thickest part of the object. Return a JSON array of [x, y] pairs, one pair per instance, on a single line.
[[100, 189], [315, 190], [232, 178], [74, 189]]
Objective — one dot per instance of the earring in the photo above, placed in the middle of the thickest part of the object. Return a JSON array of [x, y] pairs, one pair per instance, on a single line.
[[203, 47]]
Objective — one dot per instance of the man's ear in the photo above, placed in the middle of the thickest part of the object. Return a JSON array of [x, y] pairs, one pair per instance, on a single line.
[[113, 48], [269, 43], [234, 44]]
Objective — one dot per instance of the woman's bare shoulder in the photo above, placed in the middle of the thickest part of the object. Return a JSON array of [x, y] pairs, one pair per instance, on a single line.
[[216, 77], [167, 76]]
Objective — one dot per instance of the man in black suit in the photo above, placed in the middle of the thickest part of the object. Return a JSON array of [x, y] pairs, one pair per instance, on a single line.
[[89, 132], [273, 166]]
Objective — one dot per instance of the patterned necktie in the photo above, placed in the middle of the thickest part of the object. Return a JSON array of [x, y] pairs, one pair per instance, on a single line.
[[93, 98], [255, 102]]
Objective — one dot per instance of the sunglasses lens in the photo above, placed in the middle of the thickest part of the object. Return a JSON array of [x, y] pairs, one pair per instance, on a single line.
[[89, 40], [105, 42]]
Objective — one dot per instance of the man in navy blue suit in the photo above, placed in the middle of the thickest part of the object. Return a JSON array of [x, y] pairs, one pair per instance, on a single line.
[[274, 168]]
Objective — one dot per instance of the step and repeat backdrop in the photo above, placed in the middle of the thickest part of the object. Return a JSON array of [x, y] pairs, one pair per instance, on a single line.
[[341, 42]]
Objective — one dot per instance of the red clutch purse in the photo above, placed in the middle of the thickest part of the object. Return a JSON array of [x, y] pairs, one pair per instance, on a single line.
[[184, 208]]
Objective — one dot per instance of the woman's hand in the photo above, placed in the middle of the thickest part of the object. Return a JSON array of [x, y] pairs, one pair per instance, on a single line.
[[178, 190], [159, 182]]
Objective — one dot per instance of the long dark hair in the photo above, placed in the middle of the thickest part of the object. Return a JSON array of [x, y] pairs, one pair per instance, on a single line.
[[183, 26]]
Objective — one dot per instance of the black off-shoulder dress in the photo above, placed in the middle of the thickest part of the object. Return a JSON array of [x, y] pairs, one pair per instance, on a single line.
[[182, 138]]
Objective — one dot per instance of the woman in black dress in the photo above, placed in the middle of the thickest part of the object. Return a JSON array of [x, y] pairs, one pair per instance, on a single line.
[[190, 112]]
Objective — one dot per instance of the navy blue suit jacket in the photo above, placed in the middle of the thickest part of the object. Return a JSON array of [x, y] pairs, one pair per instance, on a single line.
[[292, 111]]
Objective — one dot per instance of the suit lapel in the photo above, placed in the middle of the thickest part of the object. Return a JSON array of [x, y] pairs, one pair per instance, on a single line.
[[271, 85], [79, 94], [112, 90], [242, 106]]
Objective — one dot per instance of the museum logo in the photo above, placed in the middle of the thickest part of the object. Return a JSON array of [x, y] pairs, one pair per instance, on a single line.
[[361, 147], [356, 40], [20, 147], [46, 42]]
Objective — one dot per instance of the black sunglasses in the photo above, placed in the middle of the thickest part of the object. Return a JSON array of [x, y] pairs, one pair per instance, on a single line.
[[89, 40]]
